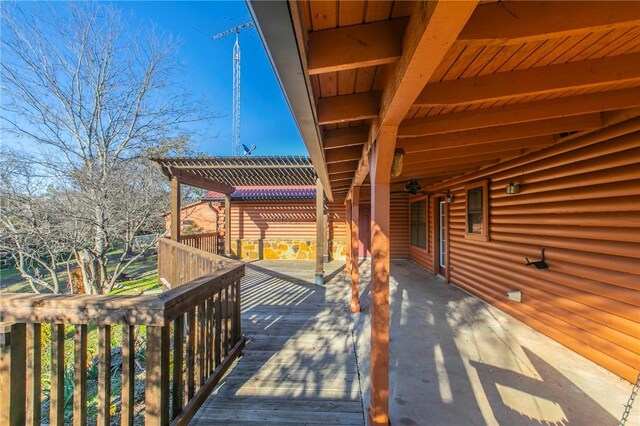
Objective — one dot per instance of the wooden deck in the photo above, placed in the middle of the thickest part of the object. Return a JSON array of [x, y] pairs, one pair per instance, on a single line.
[[299, 365]]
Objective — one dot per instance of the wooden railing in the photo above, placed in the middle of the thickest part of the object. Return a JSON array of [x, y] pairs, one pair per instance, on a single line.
[[209, 241], [193, 334]]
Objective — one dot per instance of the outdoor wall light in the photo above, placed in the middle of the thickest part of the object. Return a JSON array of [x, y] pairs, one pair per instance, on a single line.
[[513, 188], [398, 161], [450, 198]]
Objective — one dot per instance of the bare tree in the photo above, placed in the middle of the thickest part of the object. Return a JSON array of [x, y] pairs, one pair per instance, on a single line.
[[89, 102]]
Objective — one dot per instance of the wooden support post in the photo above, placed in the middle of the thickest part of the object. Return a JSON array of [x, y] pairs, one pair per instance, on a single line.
[[12, 374], [227, 225], [320, 237], [347, 261], [380, 161], [175, 209], [355, 246]]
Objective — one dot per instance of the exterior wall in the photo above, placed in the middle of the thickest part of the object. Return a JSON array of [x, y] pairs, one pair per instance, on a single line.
[[202, 214], [399, 226], [399, 222], [580, 200], [283, 230]]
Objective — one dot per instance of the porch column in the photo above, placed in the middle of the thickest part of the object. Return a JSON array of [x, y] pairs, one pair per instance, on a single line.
[[227, 225], [175, 209], [355, 248], [380, 164], [347, 225], [320, 237]]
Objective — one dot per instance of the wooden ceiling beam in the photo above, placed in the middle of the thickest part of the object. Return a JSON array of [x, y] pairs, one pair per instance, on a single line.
[[465, 151], [501, 133], [517, 22], [200, 182], [340, 155], [533, 81], [345, 108], [520, 113], [340, 138], [355, 46], [337, 168], [344, 175], [436, 174], [469, 159], [432, 29], [450, 166]]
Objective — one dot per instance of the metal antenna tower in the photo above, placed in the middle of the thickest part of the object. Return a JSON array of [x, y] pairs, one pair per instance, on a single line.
[[235, 125]]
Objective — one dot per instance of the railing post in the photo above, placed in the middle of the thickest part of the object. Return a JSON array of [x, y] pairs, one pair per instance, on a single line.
[[12, 374], [157, 392], [56, 394]]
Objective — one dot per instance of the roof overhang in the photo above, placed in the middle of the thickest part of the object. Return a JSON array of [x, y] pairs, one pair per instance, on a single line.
[[274, 24]]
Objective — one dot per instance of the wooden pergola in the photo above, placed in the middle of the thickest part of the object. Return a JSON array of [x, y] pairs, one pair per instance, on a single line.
[[223, 174], [445, 88]]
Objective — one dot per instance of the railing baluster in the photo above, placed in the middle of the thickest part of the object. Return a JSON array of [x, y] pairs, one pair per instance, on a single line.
[[210, 348], [34, 374], [12, 374], [80, 375], [191, 335], [104, 375], [227, 329], [200, 354], [157, 392], [56, 395], [218, 335], [238, 312], [128, 374], [178, 352]]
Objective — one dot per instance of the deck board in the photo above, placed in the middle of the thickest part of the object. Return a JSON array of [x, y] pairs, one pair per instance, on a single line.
[[299, 366]]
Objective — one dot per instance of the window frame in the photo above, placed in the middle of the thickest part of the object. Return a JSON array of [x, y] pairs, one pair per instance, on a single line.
[[484, 235], [425, 200]]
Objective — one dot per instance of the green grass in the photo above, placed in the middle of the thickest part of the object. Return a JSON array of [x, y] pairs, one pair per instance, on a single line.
[[138, 286], [12, 282]]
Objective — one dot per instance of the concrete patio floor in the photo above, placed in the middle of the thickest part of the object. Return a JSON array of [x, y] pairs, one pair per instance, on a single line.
[[456, 360]]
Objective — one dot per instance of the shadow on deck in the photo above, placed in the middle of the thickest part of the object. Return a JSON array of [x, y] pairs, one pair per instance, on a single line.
[[299, 365]]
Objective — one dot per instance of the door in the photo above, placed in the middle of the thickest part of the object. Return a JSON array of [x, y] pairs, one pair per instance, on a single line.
[[364, 229]]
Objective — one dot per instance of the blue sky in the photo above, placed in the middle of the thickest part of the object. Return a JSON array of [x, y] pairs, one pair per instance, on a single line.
[[265, 120]]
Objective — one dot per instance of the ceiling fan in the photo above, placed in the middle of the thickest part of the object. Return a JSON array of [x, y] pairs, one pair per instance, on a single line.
[[413, 187]]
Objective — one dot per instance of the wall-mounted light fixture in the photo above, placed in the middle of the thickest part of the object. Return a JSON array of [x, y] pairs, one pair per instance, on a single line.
[[398, 160], [513, 188], [450, 198]]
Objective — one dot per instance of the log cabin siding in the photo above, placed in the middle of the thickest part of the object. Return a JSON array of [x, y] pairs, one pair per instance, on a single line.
[[291, 220], [580, 201], [288, 220], [399, 226]]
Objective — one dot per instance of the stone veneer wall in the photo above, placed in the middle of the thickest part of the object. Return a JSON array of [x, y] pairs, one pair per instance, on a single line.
[[283, 249]]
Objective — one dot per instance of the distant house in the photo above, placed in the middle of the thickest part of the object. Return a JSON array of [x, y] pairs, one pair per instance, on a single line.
[[274, 222]]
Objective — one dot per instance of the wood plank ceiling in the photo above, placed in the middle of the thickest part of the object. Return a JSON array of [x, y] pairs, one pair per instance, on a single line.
[[521, 76]]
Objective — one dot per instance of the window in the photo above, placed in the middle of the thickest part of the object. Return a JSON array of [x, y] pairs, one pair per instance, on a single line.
[[419, 224], [477, 211]]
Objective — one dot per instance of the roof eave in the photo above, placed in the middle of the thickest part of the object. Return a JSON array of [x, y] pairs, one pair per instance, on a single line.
[[275, 26]]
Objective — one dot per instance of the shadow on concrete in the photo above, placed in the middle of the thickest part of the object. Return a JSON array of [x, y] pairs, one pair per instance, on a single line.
[[455, 360]]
